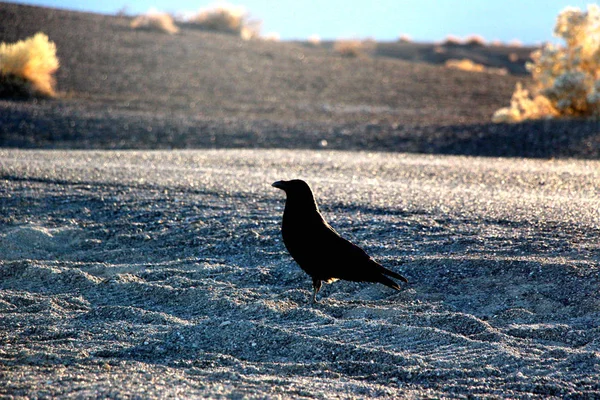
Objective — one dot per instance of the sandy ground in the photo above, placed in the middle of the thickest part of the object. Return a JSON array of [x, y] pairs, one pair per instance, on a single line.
[[157, 274], [141, 274]]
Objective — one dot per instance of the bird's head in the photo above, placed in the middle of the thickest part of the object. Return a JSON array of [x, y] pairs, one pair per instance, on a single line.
[[296, 190], [293, 186]]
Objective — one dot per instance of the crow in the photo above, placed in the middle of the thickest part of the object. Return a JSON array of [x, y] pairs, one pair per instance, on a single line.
[[318, 249]]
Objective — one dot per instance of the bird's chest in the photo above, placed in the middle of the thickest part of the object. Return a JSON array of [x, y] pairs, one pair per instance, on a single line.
[[304, 238]]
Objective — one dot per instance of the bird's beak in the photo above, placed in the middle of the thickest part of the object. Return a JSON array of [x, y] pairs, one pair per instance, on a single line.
[[279, 185]]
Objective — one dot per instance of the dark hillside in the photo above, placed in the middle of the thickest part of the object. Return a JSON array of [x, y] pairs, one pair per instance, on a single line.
[[140, 89]]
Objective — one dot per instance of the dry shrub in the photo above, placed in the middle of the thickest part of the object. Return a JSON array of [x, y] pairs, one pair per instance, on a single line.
[[475, 41], [227, 18], [26, 67], [156, 21], [404, 38], [464, 65], [314, 39], [452, 40], [470, 66], [515, 43], [348, 48], [566, 78], [523, 106]]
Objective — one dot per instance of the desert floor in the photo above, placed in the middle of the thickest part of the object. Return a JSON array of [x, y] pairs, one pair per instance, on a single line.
[[163, 274], [140, 247]]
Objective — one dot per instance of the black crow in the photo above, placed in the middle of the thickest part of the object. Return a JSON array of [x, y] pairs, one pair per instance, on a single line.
[[319, 250]]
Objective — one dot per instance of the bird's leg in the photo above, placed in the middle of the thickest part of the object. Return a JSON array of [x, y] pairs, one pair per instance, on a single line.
[[316, 287]]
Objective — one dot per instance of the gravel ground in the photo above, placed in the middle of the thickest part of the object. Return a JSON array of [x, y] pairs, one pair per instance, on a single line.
[[157, 274]]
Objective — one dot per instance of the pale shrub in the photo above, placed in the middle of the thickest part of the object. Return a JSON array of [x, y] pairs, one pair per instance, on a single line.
[[567, 78], [515, 43], [155, 20], [314, 39], [470, 66], [523, 106], [471, 40], [452, 40], [348, 48], [404, 38], [496, 71], [227, 18], [464, 65], [475, 40], [27, 66]]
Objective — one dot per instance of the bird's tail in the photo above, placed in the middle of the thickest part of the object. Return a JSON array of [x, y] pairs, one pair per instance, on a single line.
[[388, 272], [388, 282], [394, 275]]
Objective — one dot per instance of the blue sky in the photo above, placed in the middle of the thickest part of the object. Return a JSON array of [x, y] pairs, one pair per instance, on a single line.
[[529, 21]]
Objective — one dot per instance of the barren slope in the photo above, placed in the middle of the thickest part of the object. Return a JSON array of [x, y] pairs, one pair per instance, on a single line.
[[141, 89], [163, 273]]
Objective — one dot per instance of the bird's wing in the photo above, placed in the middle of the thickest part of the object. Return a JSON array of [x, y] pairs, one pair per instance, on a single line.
[[339, 244], [349, 261]]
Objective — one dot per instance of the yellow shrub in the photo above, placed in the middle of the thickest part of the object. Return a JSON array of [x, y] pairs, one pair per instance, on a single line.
[[475, 40], [33, 61], [523, 107], [314, 39], [156, 21], [468, 65], [405, 38], [566, 78], [452, 40], [228, 18], [348, 48], [464, 65]]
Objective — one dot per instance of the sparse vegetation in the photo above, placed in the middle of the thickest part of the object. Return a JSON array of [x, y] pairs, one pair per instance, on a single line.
[[523, 106], [515, 43], [154, 20], [469, 65], [566, 78], [452, 40], [348, 48], [475, 40], [471, 40], [227, 18], [314, 39], [404, 38], [27, 67], [464, 65]]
